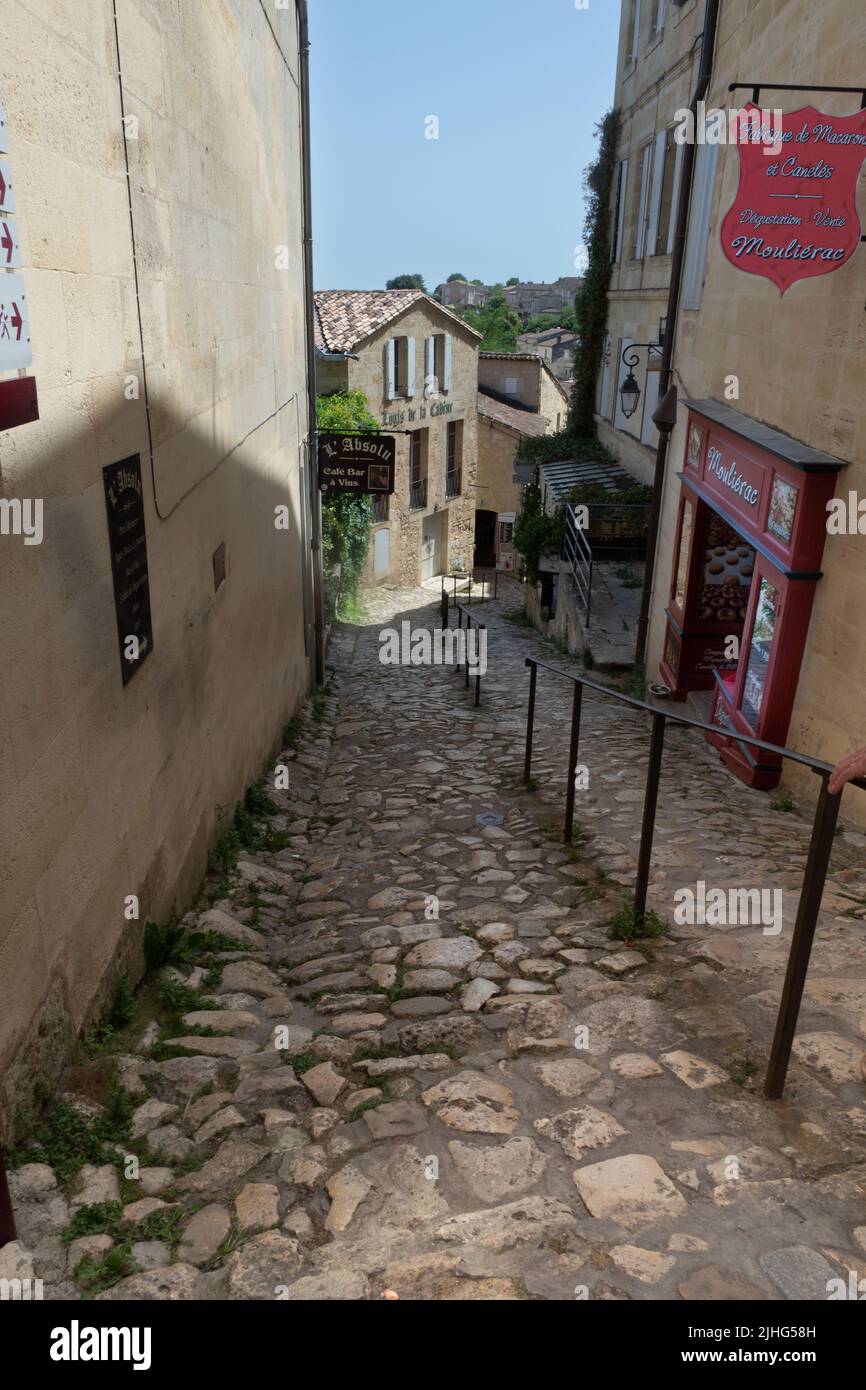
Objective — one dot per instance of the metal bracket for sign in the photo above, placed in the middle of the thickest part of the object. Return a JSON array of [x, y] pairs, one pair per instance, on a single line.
[[756, 88]]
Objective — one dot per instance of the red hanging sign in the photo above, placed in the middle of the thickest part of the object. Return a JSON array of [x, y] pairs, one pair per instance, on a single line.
[[795, 213]]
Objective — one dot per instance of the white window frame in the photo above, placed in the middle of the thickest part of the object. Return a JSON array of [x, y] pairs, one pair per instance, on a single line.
[[656, 198], [675, 198], [660, 16], [640, 230], [635, 41]]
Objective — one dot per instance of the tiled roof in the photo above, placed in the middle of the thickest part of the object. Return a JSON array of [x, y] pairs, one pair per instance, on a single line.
[[344, 318], [513, 356], [527, 422]]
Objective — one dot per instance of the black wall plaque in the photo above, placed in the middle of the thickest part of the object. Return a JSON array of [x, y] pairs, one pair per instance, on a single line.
[[359, 463], [124, 505]]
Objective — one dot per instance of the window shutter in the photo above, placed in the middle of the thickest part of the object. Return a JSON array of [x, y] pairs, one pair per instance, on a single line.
[[700, 215], [429, 362], [636, 34], [675, 199], [390, 369], [658, 179], [641, 214], [410, 367], [446, 369]]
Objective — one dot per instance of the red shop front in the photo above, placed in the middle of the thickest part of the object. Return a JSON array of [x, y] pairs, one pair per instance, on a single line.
[[750, 536]]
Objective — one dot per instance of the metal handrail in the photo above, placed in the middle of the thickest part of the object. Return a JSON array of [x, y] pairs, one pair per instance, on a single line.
[[482, 627], [574, 542], [817, 859]]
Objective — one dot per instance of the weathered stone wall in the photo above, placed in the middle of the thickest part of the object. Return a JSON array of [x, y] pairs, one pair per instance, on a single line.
[[497, 450], [109, 791]]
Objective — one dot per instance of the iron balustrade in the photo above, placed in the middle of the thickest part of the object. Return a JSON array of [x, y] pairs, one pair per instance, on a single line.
[[578, 552], [453, 480], [418, 495], [470, 622], [817, 861]]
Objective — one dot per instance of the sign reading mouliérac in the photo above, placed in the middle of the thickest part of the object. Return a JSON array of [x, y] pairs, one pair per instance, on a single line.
[[795, 214], [359, 463]]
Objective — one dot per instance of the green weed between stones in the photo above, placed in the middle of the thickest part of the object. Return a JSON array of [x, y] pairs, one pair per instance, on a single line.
[[628, 926], [742, 1068], [95, 1276], [65, 1139]]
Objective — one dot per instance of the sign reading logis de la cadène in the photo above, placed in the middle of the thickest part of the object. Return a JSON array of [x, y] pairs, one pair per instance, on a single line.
[[420, 413], [795, 214], [357, 463]]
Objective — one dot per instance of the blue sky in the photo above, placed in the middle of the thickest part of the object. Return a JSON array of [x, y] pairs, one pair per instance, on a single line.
[[518, 87]]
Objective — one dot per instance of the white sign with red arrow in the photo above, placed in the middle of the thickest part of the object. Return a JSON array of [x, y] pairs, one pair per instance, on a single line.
[[7, 199], [15, 348], [10, 251]]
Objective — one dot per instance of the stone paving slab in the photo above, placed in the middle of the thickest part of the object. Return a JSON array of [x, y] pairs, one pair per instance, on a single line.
[[436, 1076]]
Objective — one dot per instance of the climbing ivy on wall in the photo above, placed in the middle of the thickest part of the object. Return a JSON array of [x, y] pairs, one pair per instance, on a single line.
[[591, 305]]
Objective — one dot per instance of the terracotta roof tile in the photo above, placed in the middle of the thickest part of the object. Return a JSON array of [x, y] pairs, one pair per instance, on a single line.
[[344, 318], [527, 422]]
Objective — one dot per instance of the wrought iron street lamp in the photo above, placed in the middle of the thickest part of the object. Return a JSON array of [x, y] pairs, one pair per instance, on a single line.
[[629, 392]]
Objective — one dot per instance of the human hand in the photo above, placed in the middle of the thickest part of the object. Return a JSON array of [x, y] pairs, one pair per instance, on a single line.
[[854, 765]]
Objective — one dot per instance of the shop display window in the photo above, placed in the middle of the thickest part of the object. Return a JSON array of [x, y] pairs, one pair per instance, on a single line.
[[729, 564], [682, 569], [763, 630]]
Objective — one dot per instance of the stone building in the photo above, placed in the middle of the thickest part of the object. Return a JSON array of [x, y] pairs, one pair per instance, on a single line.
[[770, 421], [519, 398], [417, 364], [167, 317], [530, 298], [556, 346], [656, 72], [462, 294]]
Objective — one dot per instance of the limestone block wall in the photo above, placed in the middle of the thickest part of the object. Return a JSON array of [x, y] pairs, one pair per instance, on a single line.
[[106, 790]]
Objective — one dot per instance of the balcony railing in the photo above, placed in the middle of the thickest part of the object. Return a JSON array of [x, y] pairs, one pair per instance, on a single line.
[[453, 480], [418, 495]]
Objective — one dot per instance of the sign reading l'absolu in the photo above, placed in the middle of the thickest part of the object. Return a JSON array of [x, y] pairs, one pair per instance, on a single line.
[[795, 213]]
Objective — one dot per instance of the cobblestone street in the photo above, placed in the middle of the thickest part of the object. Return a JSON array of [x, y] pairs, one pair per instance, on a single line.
[[475, 1093]]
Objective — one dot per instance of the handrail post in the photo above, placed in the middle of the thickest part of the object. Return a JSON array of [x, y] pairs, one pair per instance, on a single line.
[[7, 1216], [657, 740], [482, 627], [814, 878], [530, 719], [443, 606], [572, 761]]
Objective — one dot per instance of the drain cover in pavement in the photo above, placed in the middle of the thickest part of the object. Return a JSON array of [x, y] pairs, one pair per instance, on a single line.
[[489, 818]]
